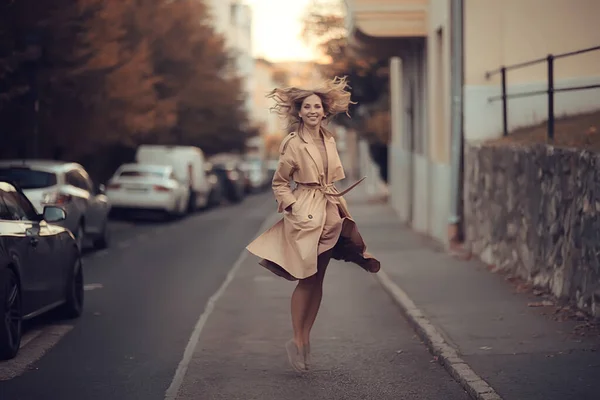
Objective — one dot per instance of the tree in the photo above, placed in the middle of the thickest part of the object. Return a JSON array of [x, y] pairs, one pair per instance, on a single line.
[[196, 71], [85, 78]]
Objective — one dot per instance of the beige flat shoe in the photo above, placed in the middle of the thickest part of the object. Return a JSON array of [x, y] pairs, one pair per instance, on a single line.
[[307, 358], [294, 356]]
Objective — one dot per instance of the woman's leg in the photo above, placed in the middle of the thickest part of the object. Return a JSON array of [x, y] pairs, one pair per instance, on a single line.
[[301, 301], [315, 297]]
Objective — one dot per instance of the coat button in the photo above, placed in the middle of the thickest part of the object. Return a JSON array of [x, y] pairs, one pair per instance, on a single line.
[[309, 216]]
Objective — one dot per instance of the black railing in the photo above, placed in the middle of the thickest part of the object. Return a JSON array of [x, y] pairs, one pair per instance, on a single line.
[[550, 91]]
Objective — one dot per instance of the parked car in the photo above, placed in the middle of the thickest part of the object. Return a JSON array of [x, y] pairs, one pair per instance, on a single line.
[[231, 179], [148, 187], [215, 196], [187, 163], [256, 175], [40, 266], [69, 186]]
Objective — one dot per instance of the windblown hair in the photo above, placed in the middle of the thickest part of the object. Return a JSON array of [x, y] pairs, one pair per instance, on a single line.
[[333, 95]]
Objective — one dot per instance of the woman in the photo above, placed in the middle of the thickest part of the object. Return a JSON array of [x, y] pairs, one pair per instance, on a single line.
[[316, 224]]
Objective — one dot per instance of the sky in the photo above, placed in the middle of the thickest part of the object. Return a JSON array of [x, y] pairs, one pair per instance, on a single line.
[[277, 25]]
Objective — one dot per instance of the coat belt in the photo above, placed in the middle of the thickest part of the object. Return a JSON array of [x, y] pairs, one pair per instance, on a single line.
[[325, 188]]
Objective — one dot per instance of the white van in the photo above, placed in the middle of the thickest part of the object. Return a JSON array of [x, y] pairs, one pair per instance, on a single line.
[[188, 167]]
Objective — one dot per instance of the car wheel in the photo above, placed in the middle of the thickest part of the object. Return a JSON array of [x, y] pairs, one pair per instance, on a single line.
[[73, 306], [102, 241], [10, 315]]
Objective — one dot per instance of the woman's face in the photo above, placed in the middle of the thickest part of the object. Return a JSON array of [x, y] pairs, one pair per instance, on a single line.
[[312, 111]]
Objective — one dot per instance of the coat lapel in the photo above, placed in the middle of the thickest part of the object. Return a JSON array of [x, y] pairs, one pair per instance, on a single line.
[[332, 158]]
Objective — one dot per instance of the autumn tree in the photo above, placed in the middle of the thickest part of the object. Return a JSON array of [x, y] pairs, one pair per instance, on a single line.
[[81, 78], [197, 70]]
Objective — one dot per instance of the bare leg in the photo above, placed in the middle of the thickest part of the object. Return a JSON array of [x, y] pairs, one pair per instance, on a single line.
[[301, 300], [315, 297]]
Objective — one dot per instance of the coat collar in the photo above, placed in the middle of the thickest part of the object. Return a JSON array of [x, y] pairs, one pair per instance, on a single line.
[[306, 138]]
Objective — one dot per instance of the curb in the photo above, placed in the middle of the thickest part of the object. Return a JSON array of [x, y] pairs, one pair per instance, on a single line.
[[447, 355]]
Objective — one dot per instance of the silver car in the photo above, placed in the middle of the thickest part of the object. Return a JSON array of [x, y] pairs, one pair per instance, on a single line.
[[64, 184]]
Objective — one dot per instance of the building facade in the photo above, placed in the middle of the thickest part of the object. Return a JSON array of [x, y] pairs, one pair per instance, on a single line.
[[233, 20], [440, 52], [269, 123]]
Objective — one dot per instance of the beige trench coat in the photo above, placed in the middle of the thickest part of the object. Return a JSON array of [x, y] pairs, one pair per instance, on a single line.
[[290, 247]]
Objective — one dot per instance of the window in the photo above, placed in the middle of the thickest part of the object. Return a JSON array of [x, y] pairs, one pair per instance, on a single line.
[[26, 206], [15, 206], [76, 178], [4, 211], [142, 174], [233, 14], [87, 180], [28, 178]]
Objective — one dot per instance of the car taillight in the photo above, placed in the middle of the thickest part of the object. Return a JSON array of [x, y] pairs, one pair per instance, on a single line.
[[160, 188], [114, 186], [56, 198]]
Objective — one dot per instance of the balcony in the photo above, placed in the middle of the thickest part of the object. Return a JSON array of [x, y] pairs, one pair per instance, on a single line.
[[390, 19]]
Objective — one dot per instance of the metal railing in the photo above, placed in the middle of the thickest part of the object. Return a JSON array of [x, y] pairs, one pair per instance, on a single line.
[[550, 91]]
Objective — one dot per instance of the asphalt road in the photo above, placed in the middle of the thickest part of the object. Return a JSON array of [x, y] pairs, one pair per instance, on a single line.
[[145, 296]]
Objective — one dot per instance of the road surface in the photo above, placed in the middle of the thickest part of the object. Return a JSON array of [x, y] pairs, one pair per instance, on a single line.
[[147, 292]]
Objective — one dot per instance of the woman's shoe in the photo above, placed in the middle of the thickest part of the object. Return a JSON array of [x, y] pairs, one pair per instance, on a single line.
[[295, 357], [307, 358]]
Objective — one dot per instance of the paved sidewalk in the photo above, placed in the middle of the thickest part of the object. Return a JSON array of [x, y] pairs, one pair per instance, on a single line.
[[363, 347], [522, 352]]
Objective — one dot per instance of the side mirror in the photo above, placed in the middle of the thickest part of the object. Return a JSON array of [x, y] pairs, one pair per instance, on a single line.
[[101, 189], [54, 214]]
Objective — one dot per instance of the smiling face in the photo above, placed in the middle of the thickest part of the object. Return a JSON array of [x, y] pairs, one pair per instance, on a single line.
[[312, 111]]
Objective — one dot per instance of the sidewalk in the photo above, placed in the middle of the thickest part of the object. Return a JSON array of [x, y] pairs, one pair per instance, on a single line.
[[521, 351], [363, 348]]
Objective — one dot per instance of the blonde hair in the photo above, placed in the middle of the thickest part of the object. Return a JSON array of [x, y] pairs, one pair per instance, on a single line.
[[333, 95]]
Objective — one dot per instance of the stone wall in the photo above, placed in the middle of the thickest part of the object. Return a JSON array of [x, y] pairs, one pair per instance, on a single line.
[[535, 212]]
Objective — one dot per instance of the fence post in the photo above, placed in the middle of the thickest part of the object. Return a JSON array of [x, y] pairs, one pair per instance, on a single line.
[[504, 102], [550, 97]]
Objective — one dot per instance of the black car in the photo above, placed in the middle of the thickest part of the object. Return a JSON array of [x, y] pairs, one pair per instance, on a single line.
[[40, 266], [215, 195], [231, 178]]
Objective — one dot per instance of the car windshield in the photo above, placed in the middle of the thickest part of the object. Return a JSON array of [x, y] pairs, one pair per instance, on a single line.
[[27, 178], [142, 174]]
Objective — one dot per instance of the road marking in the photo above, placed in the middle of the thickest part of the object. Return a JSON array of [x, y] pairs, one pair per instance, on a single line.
[[35, 348], [177, 381], [93, 286]]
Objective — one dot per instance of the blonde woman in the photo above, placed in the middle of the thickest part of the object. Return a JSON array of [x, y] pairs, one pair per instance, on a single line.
[[316, 224]]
